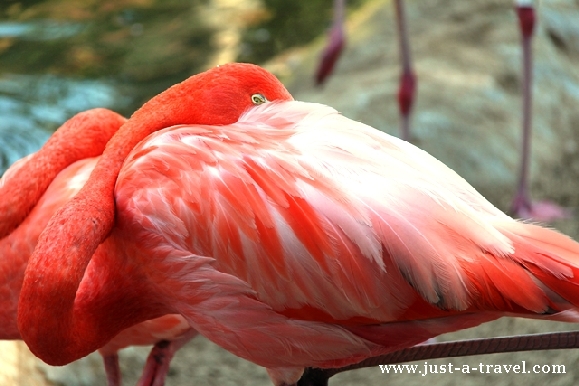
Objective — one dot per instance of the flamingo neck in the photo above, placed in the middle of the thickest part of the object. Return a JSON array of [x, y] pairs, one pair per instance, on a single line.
[[107, 301], [66, 246], [70, 329], [52, 321], [84, 135]]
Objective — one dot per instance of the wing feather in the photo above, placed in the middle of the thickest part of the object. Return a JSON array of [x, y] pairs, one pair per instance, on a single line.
[[317, 212]]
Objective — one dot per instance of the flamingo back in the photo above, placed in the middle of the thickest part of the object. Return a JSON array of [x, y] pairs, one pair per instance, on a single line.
[[327, 220]]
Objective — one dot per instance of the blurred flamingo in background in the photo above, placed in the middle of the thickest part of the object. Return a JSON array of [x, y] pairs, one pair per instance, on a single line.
[[291, 236], [407, 88], [336, 42], [86, 133], [523, 206], [334, 48]]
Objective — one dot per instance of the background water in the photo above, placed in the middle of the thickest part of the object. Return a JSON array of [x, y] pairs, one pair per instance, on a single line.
[[59, 57]]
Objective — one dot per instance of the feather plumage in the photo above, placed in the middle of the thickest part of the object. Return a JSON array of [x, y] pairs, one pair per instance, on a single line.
[[312, 232]]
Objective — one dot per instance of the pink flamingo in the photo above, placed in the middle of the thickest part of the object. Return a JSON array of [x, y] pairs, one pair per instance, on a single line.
[[523, 206], [96, 127], [292, 237], [336, 42]]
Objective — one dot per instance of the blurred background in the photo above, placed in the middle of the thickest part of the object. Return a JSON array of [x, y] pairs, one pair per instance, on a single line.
[[58, 57]]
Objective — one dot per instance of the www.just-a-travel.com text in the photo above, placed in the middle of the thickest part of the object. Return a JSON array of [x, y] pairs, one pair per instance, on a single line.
[[428, 369]]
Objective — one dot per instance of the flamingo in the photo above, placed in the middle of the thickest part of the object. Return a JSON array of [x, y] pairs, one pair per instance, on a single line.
[[336, 42], [522, 206], [167, 333], [293, 237]]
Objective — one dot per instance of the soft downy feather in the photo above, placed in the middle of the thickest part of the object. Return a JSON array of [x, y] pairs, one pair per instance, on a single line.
[[323, 228]]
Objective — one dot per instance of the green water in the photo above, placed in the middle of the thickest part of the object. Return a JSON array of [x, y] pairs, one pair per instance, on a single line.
[[59, 57]]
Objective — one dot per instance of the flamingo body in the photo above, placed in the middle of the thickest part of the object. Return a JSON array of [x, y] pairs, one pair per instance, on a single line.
[[292, 237], [297, 237]]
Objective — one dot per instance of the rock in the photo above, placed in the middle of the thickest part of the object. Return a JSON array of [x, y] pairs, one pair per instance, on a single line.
[[19, 367]]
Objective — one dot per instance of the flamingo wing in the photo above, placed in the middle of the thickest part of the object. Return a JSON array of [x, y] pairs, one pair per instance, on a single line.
[[319, 227]]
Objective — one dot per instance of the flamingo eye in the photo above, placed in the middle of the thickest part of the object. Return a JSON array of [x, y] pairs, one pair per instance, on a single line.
[[258, 99]]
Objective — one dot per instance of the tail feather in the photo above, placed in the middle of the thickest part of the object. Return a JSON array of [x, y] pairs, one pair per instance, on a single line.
[[552, 258], [515, 285]]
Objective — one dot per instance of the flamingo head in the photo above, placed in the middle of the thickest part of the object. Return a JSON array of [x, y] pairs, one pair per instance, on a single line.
[[218, 96]]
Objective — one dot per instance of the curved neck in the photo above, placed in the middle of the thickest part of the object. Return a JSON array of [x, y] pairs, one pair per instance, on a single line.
[[50, 317], [109, 299], [84, 135], [66, 246]]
